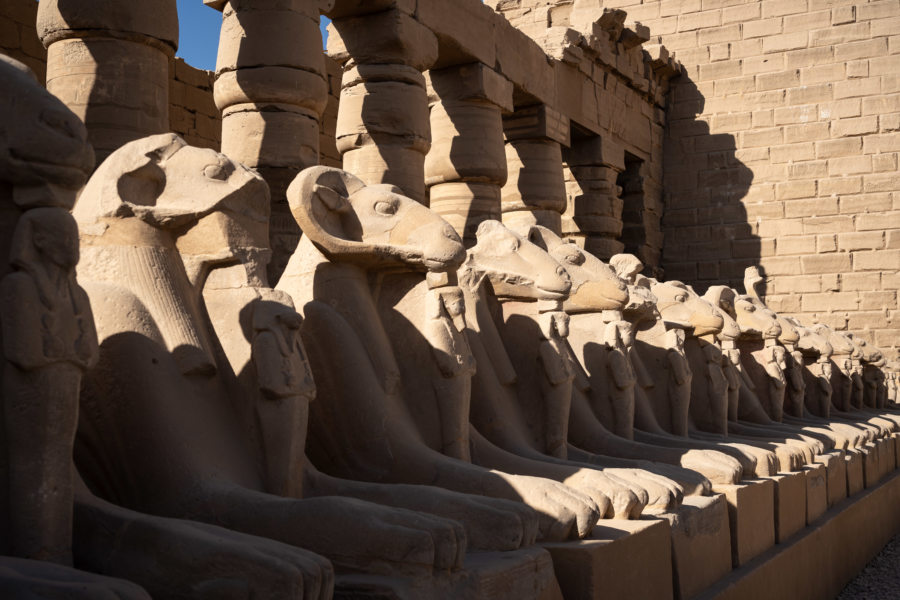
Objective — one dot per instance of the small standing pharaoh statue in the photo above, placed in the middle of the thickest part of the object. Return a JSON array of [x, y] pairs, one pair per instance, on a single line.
[[618, 338], [48, 342], [287, 387], [679, 381], [444, 328]]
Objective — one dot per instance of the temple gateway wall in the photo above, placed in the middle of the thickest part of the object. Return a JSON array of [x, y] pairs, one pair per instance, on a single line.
[[782, 149]]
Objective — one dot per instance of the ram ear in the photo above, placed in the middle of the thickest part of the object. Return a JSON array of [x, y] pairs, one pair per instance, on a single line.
[[486, 227], [331, 199], [143, 185], [318, 198], [543, 238]]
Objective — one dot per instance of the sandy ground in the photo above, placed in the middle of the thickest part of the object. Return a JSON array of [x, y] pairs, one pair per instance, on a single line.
[[880, 580]]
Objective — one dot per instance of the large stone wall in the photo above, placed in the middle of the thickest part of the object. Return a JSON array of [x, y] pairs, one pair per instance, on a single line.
[[192, 113], [18, 37], [624, 83], [782, 151]]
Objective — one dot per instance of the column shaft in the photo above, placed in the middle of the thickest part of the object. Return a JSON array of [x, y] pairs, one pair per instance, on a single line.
[[466, 166], [383, 130], [271, 88], [535, 192], [593, 217], [109, 63]]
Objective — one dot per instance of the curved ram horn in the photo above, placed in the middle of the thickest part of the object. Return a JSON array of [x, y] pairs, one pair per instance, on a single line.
[[332, 188]]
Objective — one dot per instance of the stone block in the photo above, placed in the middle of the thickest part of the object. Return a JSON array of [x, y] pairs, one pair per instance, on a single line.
[[875, 260], [890, 455], [474, 81], [785, 42], [384, 38], [831, 263], [871, 468], [751, 515], [538, 122], [790, 504], [896, 438], [824, 558], [465, 30], [701, 543], [251, 37], [596, 150], [836, 475], [622, 559], [526, 573], [816, 491]]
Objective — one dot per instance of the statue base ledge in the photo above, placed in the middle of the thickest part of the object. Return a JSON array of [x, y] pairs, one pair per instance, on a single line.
[[823, 558], [622, 559], [526, 573]]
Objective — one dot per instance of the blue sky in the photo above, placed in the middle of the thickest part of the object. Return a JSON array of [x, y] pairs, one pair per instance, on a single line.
[[199, 33]]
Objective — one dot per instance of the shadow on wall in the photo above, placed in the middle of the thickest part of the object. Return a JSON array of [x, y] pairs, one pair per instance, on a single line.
[[709, 239]]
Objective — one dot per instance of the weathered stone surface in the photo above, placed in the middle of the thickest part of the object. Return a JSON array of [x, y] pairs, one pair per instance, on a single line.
[[481, 375], [751, 513]]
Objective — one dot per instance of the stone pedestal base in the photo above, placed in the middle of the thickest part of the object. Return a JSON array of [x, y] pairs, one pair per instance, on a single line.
[[790, 504], [855, 479], [622, 559], [835, 475], [871, 467], [820, 561], [890, 454], [816, 491], [525, 573], [701, 544], [751, 514]]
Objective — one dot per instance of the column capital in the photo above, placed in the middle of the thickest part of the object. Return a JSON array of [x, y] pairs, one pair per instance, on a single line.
[[387, 37], [154, 23]]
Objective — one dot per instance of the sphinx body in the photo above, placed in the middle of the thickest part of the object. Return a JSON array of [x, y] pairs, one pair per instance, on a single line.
[[523, 389], [376, 427], [163, 381], [44, 160], [659, 410]]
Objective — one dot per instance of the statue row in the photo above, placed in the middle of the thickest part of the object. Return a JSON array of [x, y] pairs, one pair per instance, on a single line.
[[393, 402]]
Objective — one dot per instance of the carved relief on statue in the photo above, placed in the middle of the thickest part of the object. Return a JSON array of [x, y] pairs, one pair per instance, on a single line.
[[619, 339], [287, 387], [48, 342]]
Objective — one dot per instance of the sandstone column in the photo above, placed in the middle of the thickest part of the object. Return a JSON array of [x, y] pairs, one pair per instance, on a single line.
[[535, 191], [383, 131], [466, 166], [108, 61], [593, 217], [271, 88]]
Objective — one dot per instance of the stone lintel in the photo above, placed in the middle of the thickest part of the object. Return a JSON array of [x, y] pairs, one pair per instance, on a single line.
[[596, 150], [473, 81], [538, 122], [388, 37], [338, 9]]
